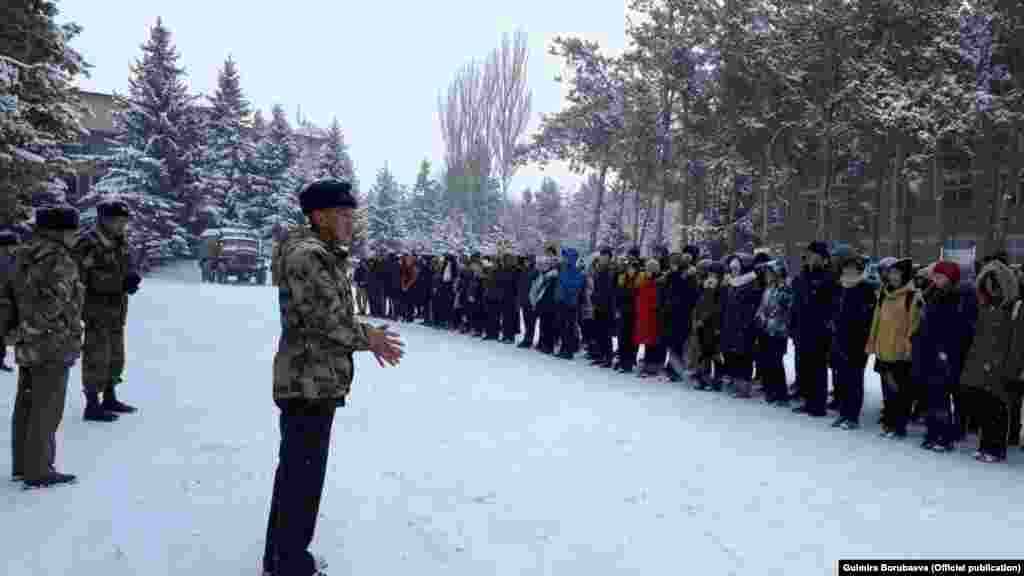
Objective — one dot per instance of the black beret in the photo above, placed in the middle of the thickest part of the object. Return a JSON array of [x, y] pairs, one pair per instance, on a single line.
[[113, 209], [693, 251], [634, 252], [57, 218], [327, 194], [607, 251], [8, 238]]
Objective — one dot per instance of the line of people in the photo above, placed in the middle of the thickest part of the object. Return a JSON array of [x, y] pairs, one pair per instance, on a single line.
[[947, 352]]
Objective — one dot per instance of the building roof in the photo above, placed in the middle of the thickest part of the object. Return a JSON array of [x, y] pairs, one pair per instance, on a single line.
[[101, 108]]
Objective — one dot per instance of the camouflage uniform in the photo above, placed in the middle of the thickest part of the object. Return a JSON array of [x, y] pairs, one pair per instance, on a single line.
[[48, 340], [105, 264], [312, 377], [319, 332]]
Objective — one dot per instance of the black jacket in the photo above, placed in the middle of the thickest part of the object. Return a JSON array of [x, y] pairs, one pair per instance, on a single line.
[[814, 293], [852, 315]]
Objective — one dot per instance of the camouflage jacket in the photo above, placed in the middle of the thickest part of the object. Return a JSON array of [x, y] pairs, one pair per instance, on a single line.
[[49, 296], [319, 332], [104, 263]]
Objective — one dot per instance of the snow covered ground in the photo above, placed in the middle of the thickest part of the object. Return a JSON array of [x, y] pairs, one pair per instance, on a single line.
[[477, 458]]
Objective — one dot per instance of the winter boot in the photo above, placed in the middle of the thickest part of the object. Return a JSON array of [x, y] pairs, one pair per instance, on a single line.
[[112, 404], [5, 367], [94, 412], [51, 479]]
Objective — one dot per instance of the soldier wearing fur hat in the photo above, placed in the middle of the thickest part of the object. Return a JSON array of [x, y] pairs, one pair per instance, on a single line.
[[109, 277], [313, 367], [8, 242], [48, 295]]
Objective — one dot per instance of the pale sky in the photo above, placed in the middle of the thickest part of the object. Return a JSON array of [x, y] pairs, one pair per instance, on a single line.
[[378, 66]]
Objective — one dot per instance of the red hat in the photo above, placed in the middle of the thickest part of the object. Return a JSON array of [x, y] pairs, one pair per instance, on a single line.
[[950, 270]]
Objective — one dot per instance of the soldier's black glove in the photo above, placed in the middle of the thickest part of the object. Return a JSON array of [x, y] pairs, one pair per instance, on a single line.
[[131, 282]]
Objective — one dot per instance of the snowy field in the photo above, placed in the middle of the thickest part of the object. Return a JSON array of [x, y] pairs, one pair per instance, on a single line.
[[477, 458]]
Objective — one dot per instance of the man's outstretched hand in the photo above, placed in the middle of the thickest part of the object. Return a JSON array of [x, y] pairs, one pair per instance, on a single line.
[[386, 346]]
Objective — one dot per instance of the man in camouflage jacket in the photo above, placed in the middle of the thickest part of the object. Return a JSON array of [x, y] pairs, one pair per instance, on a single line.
[[109, 278], [48, 296], [313, 368], [8, 243]]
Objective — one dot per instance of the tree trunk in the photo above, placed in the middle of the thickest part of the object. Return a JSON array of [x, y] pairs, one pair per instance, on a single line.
[[880, 163], [764, 182], [995, 192], [939, 195], [636, 218], [1012, 184], [896, 182], [731, 229], [824, 193], [787, 230], [684, 209], [595, 221], [647, 221]]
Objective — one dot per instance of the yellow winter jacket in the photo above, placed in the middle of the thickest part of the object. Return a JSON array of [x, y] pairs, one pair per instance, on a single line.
[[896, 318]]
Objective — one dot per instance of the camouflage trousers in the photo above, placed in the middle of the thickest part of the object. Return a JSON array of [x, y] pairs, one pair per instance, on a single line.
[[102, 357]]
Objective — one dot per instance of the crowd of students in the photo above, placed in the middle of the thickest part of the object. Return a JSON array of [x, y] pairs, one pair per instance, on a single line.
[[947, 351]]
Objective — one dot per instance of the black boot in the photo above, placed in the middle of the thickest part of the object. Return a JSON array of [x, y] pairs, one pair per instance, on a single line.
[[94, 412], [112, 404], [51, 479]]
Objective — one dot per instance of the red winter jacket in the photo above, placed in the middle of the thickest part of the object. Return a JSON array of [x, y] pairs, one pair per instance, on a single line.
[[645, 327]]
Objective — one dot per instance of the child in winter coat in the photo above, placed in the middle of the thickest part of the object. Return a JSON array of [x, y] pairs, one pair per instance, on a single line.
[[993, 367], [707, 330], [772, 320], [895, 320]]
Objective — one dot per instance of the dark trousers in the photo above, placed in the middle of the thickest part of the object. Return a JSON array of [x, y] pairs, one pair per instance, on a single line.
[[492, 312], [548, 326], [443, 305], [602, 328], [298, 486], [942, 428], [995, 422], [813, 377], [770, 367], [569, 330], [739, 366], [38, 411], [509, 320], [654, 356], [627, 349], [529, 322], [898, 394], [848, 372]]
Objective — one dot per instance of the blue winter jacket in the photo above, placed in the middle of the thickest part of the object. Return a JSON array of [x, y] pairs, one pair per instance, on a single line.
[[570, 279]]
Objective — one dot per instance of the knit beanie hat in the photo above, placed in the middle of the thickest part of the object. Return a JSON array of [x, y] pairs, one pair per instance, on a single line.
[[948, 269]]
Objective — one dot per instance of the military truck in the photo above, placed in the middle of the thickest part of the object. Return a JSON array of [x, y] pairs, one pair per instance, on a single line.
[[227, 254]]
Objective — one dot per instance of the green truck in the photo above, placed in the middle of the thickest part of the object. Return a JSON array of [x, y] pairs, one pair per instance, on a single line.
[[232, 255]]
